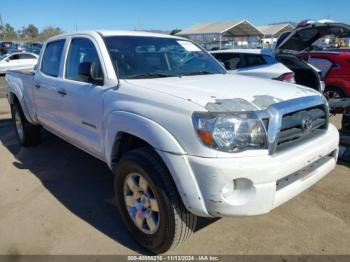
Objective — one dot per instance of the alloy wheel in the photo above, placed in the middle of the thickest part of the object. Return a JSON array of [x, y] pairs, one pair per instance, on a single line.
[[141, 203], [19, 125]]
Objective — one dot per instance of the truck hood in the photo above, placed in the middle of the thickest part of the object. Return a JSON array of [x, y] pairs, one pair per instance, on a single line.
[[224, 93]]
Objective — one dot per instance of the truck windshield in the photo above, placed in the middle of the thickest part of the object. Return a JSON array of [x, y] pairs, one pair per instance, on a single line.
[[136, 57]]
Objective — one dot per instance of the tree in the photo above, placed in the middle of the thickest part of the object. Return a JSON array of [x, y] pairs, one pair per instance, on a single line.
[[48, 32], [175, 31], [30, 33], [9, 32]]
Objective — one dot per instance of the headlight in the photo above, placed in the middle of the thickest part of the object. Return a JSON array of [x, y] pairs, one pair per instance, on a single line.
[[230, 132]]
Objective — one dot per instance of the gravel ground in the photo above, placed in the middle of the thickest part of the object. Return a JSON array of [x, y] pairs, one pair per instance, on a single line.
[[2, 89]]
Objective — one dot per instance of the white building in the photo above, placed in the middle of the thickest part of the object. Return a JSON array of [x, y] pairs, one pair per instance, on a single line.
[[224, 35], [272, 32]]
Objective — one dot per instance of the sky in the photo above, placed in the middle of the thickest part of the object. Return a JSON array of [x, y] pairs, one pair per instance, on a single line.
[[163, 14]]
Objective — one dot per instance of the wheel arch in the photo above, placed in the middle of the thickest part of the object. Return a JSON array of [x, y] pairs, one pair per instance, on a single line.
[[120, 124], [338, 87], [145, 132], [12, 97], [16, 96]]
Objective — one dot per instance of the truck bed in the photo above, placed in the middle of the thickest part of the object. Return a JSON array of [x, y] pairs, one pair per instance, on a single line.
[[21, 72], [20, 83]]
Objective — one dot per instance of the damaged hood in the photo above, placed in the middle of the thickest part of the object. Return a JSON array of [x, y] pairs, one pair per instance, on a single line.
[[223, 93]]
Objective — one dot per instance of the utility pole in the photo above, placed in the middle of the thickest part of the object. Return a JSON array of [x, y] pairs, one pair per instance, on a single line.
[[1, 26]]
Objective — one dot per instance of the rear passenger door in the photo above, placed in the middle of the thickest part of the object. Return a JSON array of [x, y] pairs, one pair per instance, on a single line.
[[47, 84]]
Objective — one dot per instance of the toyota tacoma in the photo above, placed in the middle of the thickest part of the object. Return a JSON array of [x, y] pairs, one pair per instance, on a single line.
[[182, 136]]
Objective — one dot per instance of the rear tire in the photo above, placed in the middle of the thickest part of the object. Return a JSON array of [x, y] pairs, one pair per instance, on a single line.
[[27, 134], [334, 92], [173, 223]]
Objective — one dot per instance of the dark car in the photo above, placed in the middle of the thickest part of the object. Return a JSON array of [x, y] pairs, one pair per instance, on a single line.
[[4, 47]]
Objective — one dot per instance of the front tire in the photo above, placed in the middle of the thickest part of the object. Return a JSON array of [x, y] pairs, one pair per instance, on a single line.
[[149, 203], [27, 134]]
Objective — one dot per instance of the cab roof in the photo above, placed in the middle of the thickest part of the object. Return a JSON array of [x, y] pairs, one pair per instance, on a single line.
[[107, 33]]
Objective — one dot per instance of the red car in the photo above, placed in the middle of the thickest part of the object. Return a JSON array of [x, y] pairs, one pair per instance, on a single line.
[[335, 68]]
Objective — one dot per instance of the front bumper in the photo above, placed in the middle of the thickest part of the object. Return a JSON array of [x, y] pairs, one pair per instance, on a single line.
[[261, 183]]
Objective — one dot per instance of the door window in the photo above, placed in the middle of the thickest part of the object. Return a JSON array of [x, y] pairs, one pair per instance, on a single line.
[[50, 64], [14, 57], [254, 60], [323, 64], [231, 61], [82, 50], [26, 56]]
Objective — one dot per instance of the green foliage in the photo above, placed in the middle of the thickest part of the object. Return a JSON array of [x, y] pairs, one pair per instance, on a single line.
[[29, 33], [8, 32], [48, 32]]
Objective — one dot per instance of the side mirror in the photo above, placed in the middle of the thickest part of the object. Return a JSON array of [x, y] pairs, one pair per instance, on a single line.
[[88, 72], [7, 60]]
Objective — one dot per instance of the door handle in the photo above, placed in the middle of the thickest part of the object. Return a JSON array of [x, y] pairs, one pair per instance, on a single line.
[[62, 92], [37, 86]]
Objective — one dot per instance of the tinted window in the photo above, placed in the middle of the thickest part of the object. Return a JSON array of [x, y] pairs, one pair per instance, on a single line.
[[254, 60], [26, 56], [231, 61], [50, 64], [324, 65], [14, 57], [152, 57], [82, 50], [269, 59]]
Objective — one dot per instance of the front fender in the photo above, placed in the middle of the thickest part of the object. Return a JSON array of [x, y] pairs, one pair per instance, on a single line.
[[151, 132], [167, 147]]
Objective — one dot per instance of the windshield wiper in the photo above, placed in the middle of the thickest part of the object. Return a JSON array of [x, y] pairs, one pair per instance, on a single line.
[[199, 73], [151, 75]]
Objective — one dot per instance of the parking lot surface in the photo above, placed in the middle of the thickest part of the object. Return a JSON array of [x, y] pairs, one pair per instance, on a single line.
[[56, 199]]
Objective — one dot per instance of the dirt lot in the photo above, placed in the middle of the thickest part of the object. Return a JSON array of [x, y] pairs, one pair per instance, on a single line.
[[55, 199], [2, 89]]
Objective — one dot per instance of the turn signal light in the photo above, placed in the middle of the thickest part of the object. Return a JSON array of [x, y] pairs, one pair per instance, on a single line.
[[206, 137]]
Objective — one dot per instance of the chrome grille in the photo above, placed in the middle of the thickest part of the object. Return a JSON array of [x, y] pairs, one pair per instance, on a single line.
[[283, 121], [300, 125]]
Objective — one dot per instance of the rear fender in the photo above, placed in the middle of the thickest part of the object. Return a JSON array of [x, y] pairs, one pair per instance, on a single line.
[[15, 92]]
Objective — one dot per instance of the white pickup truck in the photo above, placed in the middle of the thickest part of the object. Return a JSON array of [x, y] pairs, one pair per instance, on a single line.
[[183, 137]]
